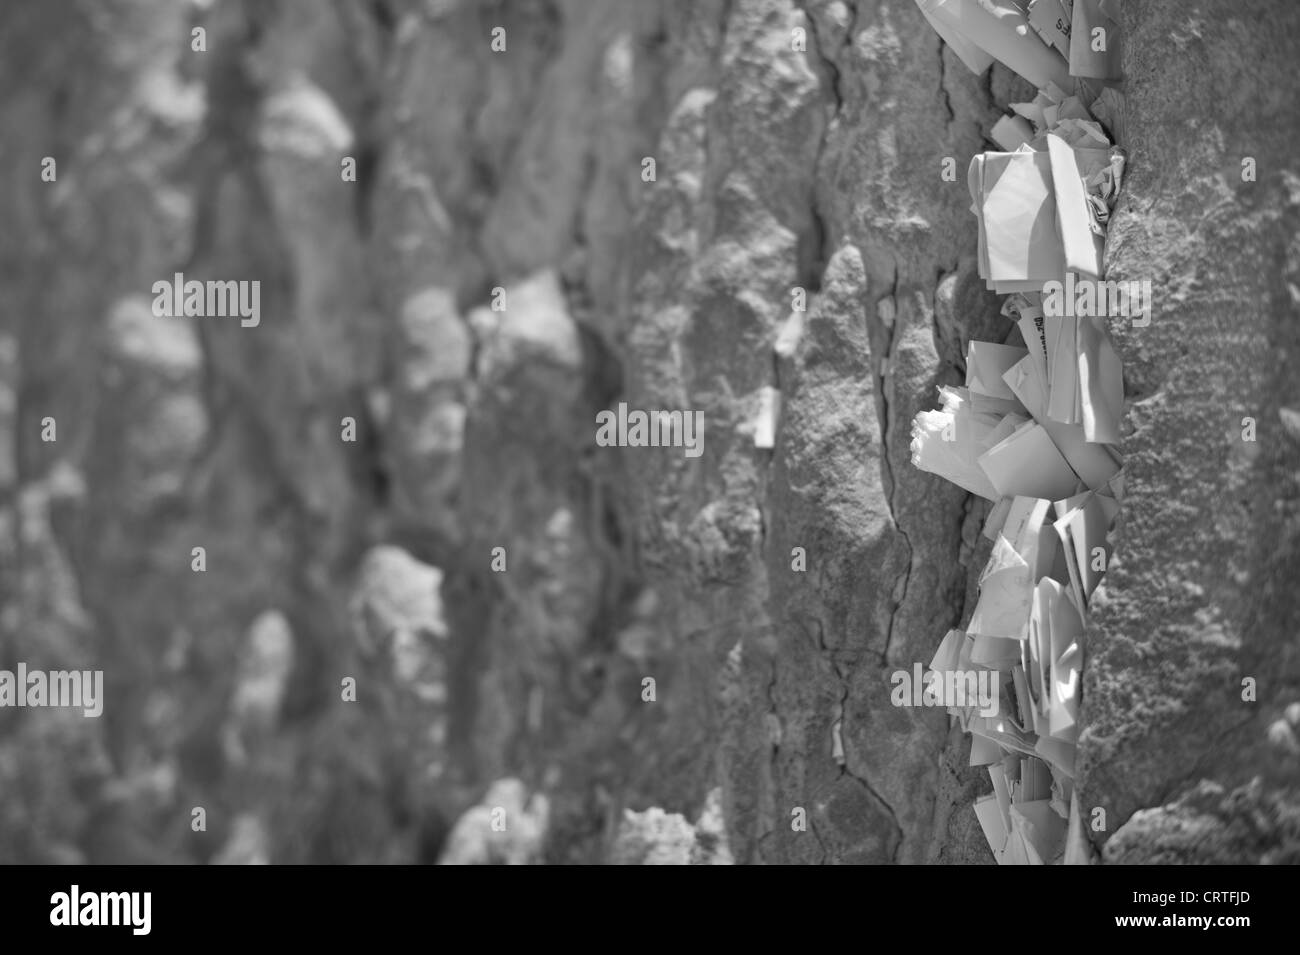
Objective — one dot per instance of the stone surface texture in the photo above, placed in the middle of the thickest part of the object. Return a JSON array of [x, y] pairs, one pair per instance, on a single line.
[[515, 178]]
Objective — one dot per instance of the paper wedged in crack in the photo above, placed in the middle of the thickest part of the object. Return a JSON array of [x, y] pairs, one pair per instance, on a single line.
[[1093, 54], [1028, 464], [1019, 220], [1000, 30], [1051, 20], [948, 442], [1035, 429]]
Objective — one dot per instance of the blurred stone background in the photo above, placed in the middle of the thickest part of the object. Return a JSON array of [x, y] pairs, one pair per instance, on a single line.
[[522, 690]]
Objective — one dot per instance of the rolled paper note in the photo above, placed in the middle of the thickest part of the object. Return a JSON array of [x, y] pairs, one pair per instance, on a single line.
[[1094, 42], [787, 339], [769, 406], [948, 442], [1104, 183], [999, 28]]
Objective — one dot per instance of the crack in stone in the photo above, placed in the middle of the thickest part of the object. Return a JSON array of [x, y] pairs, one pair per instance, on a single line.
[[819, 237], [943, 86], [812, 827], [887, 467], [830, 66], [772, 712], [832, 81], [866, 784]]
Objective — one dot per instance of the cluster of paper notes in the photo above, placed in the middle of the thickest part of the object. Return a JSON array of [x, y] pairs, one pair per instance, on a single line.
[[1043, 205], [1048, 557], [1038, 421], [1035, 425]]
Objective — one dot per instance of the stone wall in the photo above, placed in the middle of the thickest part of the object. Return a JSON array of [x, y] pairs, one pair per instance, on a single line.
[[515, 178]]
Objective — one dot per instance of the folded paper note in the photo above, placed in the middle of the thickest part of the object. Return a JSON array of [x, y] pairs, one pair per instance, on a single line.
[[1094, 41], [1034, 429], [1108, 108], [983, 751], [948, 657], [976, 60], [996, 830], [986, 363], [1063, 373], [997, 517], [1078, 851], [1040, 829], [1027, 464], [948, 442], [1067, 660], [1081, 246], [1052, 23], [1020, 246], [1083, 525], [999, 28], [1101, 382], [1058, 753], [1027, 549], [1095, 464], [1012, 132]]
